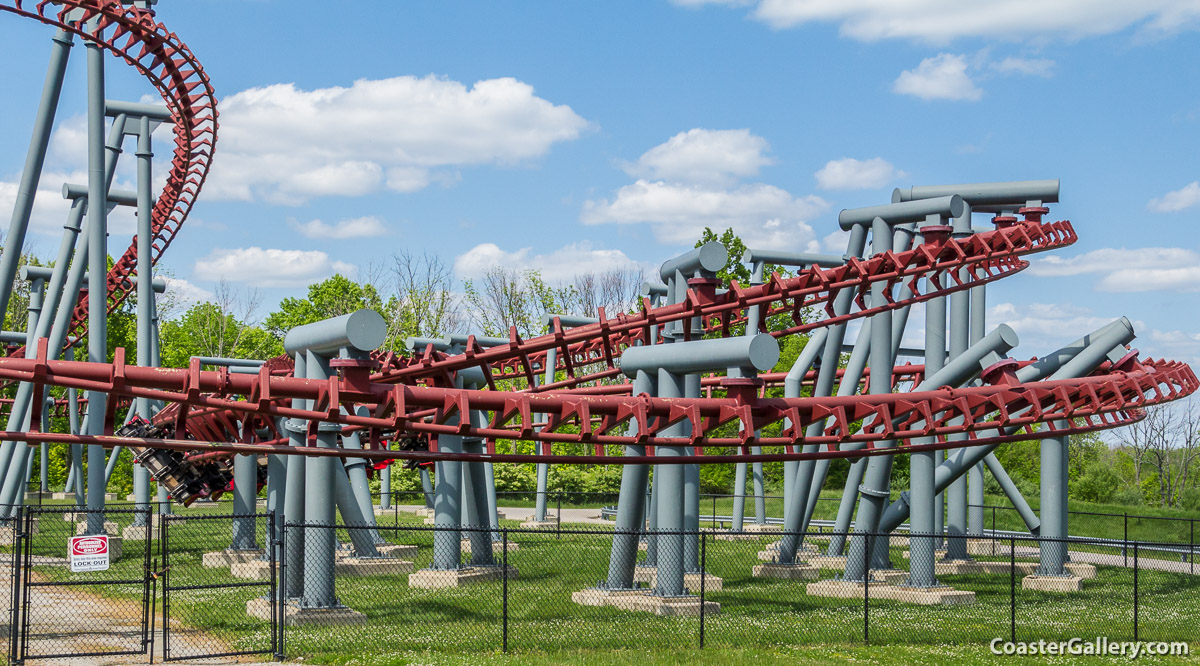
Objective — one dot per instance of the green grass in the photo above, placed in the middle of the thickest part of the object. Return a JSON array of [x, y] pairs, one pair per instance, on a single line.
[[761, 621]]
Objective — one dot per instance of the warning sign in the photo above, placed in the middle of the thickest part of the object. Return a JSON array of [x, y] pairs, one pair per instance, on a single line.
[[89, 553]]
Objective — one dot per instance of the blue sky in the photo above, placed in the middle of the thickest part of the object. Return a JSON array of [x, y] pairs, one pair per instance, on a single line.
[[575, 136]]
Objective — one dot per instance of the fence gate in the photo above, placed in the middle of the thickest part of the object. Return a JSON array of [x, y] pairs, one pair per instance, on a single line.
[[79, 595], [218, 571]]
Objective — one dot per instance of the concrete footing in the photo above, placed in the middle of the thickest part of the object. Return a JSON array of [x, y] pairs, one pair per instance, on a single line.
[[110, 528], [540, 525], [594, 596], [798, 571], [928, 596], [295, 616], [497, 546], [1052, 583], [835, 562], [434, 579], [229, 557], [36, 495], [140, 532], [691, 581], [371, 566]]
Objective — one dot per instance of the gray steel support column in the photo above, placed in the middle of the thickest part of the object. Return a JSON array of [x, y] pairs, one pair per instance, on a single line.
[[385, 487], [925, 505], [1077, 359], [320, 544], [145, 299], [164, 499], [493, 512], [475, 506], [670, 559], [652, 524], [35, 157], [426, 486], [630, 507], [352, 514], [797, 506], [939, 506], [1053, 554], [739, 496], [877, 477], [1010, 490], [975, 476], [841, 523], [960, 325], [293, 499], [277, 491], [447, 507], [691, 489], [76, 449], [360, 486], [97, 278], [543, 469], [245, 494]]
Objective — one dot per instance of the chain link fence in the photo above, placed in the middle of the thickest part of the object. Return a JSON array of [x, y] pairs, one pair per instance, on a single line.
[[204, 584]]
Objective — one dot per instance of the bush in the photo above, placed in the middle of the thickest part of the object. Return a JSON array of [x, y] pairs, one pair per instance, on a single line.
[[1190, 499], [1099, 483], [1127, 497]]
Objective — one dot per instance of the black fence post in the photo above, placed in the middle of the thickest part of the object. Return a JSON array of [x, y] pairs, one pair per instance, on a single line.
[[703, 576], [866, 542], [558, 524], [1135, 591], [1012, 588], [282, 591], [504, 549], [15, 617], [1125, 540], [276, 601]]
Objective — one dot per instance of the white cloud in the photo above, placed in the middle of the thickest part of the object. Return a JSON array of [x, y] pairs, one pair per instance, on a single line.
[[851, 174], [269, 267], [50, 209], [185, 294], [1177, 200], [836, 241], [1130, 270], [1043, 327], [561, 265], [1025, 66], [941, 21], [943, 76], [286, 145], [717, 157], [359, 227], [763, 215]]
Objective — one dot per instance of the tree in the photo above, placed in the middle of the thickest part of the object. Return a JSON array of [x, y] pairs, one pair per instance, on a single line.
[[616, 290], [424, 303], [508, 297], [223, 326], [1168, 441], [333, 297]]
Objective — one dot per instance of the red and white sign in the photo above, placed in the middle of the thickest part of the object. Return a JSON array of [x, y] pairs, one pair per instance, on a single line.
[[89, 553]]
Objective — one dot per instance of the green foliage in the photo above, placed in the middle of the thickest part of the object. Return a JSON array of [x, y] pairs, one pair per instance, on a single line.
[[1190, 499], [735, 269], [1098, 483], [207, 329], [333, 297]]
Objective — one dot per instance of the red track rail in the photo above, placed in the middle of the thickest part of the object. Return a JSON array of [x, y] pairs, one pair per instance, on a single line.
[[133, 35]]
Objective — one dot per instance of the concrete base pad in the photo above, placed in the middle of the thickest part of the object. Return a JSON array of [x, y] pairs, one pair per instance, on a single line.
[[736, 536], [425, 511], [37, 495], [787, 571], [664, 606], [401, 551], [594, 596], [372, 566], [835, 562], [294, 615], [540, 525], [140, 532], [1052, 583], [938, 554], [252, 570], [756, 528], [807, 551], [968, 567], [691, 581], [62, 496], [110, 528], [889, 576], [987, 547], [433, 579], [497, 546], [1082, 570], [225, 558]]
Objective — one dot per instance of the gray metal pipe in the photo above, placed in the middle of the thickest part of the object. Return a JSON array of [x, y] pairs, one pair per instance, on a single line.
[[960, 323], [97, 277], [149, 112], [31, 174], [670, 561], [710, 257], [352, 514], [987, 196], [320, 543], [902, 212], [145, 298], [294, 499], [759, 352], [363, 330]]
